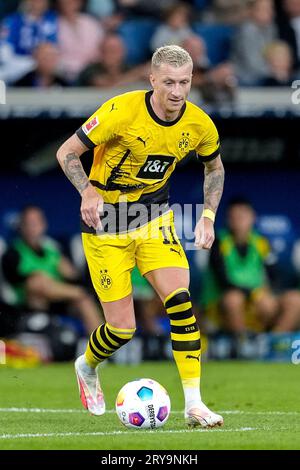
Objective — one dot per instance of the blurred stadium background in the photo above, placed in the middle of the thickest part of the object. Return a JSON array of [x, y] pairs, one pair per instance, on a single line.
[[61, 60]]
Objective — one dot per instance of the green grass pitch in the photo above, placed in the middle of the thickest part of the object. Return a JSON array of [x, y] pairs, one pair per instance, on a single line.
[[40, 408]]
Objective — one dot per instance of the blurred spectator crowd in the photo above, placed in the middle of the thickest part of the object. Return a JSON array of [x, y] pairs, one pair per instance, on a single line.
[[106, 43], [243, 285], [242, 288]]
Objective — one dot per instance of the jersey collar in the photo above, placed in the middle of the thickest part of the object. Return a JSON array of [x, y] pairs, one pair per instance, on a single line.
[[156, 118]]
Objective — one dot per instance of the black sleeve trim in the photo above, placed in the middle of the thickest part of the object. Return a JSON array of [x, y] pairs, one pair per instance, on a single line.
[[84, 139], [209, 158]]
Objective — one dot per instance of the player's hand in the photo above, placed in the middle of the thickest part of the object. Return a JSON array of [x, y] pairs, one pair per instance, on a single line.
[[91, 207], [204, 233]]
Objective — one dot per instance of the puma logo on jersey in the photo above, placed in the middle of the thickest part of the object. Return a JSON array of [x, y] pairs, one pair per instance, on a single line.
[[189, 356], [141, 140], [176, 251]]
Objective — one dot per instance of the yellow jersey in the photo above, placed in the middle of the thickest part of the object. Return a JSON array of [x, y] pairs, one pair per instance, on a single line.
[[135, 152]]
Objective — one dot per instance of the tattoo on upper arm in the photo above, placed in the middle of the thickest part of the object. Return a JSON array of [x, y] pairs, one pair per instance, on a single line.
[[213, 186], [75, 172]]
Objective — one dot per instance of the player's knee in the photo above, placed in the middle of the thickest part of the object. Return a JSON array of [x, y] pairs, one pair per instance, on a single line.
[[233, 300], [178, 305], [182, 320], [267, 306], [37, 283], [178, 297], [290, 300]]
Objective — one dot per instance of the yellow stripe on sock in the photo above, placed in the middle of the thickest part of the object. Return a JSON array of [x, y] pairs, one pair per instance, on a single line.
[[112, 341], [185, 337], [122, 336], [99, 350], [185, 322], [124, 332], [102, 342], [91, 359], [180, 308]]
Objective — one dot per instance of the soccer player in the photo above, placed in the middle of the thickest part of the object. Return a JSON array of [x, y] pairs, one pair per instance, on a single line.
[[138, 137]]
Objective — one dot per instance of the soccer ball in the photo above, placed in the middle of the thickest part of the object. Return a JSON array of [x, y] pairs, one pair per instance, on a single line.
[[142, 404]]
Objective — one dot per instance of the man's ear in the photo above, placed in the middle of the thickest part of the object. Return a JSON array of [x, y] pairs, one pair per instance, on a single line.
[[152, 80]]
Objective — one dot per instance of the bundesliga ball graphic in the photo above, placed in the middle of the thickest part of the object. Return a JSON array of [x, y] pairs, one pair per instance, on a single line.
[[143, 404]]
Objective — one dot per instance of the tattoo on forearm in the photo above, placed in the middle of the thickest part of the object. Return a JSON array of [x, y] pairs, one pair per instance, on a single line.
[[75, 172], [213, 187]]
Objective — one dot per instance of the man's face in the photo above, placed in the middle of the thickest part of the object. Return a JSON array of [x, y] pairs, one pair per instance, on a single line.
[[171, 85], [195, 46], [47, 58], [33, 225], [263, 12], [292, 7], [68, 7], [37, 7], [113, 51], [280, 60], [240, 219]]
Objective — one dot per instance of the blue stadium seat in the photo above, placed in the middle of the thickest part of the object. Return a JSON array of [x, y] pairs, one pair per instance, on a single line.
[[8, 7], [280, 232], [136, 34], [201, 4], [217, 38]]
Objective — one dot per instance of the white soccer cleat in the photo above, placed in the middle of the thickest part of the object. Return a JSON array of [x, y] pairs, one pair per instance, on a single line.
[[202, 416], [90, 391]]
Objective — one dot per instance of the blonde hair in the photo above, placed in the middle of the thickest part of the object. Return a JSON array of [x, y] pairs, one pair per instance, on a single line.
[[171, 55], [277, 46]]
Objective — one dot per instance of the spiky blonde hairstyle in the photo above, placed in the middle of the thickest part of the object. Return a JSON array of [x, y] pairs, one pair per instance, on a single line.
[[171, 55]]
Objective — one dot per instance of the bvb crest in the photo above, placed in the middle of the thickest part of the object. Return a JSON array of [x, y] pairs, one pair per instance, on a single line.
[[105, 279], [184, 142]]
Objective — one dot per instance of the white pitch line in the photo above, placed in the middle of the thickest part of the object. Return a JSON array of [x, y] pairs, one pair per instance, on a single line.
[[41, 410], [263, 413], [70, 410], [116, 433]]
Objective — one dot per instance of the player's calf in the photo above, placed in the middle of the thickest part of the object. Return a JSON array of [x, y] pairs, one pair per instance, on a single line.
[[104, 341]]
